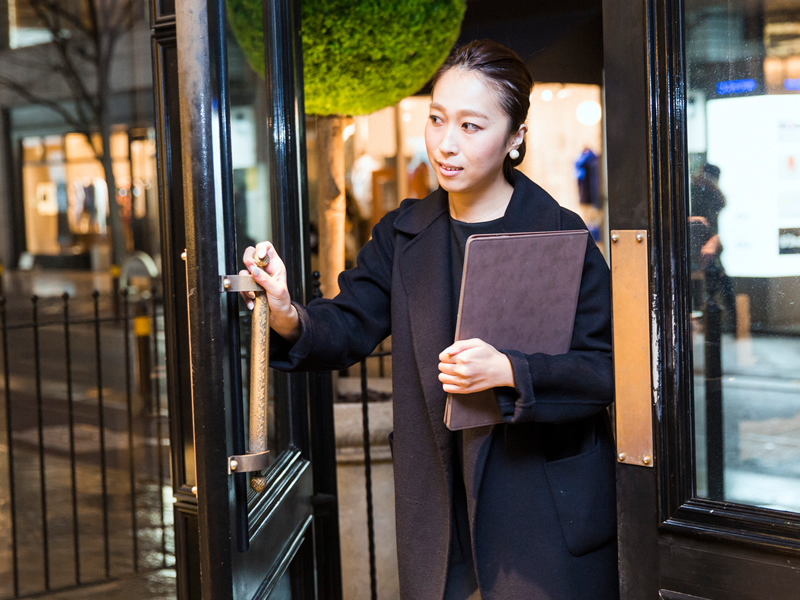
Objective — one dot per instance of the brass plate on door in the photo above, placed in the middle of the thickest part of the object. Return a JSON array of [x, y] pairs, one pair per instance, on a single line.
[[632, 365]]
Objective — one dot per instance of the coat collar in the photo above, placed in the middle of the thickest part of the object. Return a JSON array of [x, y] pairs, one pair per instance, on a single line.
[[530, 209]]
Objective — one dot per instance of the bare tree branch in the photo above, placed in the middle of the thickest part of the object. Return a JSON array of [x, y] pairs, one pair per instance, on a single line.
[[125, 15], [71, 71], [25, 93], [56, 9], [28, 63], [104, 10]]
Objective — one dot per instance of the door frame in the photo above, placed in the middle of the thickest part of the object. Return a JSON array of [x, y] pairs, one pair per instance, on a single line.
[[215, 521], [663, 528]]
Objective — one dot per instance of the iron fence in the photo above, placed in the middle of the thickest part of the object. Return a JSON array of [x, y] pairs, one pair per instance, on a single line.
[[86, 442], [381, 372]]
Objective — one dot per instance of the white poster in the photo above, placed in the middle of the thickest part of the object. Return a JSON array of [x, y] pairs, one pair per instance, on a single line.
[[755, 141], [696, 121], [46, 198]]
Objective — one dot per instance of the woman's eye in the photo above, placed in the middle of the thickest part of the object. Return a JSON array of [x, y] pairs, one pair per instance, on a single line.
[[434, 119], [470, 127]]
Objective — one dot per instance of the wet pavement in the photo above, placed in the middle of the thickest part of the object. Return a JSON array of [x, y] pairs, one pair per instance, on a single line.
[[158, 585], [104, 542]]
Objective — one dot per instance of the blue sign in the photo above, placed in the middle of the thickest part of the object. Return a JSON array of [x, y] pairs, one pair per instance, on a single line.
[[792, 85], [736, 86]]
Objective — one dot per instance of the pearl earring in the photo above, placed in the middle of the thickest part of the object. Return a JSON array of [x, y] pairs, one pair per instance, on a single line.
[[514, 154]]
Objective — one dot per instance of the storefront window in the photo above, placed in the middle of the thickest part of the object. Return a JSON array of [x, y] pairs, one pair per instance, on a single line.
[[743, 139], [65, 194]]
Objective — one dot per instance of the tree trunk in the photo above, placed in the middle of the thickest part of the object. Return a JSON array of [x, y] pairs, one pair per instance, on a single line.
[[330, 167], [119, 246]]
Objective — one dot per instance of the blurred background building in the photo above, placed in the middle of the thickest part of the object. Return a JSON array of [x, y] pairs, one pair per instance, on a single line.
[[54, 204]]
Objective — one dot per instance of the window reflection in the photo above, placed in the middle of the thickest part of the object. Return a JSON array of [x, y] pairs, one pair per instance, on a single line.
[[743, 139]]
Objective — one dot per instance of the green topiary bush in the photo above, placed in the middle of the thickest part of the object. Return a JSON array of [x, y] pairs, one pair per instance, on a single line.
[[359, 55]]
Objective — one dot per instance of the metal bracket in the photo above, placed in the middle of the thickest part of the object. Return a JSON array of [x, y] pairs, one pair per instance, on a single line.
[[248, 463], [239, 283]]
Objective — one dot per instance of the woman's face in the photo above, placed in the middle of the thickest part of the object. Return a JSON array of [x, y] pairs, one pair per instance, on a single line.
[[467, 133]]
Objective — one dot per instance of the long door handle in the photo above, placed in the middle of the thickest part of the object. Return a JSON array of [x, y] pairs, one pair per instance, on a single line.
[[257, 457], [259, 378]]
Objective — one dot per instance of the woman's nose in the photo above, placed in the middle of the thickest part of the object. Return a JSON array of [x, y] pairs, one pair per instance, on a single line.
[[449, 144]]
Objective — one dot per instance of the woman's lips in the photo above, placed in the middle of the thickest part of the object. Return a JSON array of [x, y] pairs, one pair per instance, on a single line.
[[449, 170]]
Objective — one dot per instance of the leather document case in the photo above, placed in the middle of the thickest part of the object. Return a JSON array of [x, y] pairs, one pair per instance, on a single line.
[[519, 291]]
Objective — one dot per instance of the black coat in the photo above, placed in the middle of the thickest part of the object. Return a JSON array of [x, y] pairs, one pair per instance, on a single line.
[[540, 488]]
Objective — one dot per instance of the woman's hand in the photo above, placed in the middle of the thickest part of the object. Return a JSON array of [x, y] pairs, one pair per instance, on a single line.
[[472, 366], [282, 314]]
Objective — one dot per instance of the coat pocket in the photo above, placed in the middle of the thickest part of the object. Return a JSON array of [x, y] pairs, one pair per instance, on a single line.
[[584, 492]]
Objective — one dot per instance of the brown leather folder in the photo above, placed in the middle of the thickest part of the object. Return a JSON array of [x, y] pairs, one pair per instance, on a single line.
[[519, 291]]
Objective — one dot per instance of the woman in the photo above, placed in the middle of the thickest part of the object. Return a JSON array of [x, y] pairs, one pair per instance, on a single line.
[[522, 510]]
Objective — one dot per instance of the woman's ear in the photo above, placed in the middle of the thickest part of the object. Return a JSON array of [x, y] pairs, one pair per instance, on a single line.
[[518, 137]]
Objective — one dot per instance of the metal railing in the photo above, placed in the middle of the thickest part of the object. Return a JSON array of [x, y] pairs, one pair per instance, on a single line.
[[380, 355], [86, 455]]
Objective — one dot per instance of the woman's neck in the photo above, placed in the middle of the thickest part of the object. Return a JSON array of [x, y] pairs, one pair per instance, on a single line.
[[485, 204]]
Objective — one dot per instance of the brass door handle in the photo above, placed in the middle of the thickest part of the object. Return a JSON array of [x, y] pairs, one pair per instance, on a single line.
[[257, 457], [259, 378]]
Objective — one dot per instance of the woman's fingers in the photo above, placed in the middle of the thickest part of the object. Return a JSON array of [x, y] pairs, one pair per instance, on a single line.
[[473, 365], [266, 249], [450, 379], [248, 256], [263, 250], [275, 268], [459, 347], [462, 385], [272, 277], [264, 280], [451, 374], [449, 368]]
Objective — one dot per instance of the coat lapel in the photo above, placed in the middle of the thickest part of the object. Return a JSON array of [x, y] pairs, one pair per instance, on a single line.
[[425, 271]]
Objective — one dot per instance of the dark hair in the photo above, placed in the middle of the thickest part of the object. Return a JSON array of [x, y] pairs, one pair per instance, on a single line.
[[506, 74]]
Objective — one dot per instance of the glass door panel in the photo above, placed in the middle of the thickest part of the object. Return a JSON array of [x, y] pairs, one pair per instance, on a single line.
[[250, 137], [743, 138]]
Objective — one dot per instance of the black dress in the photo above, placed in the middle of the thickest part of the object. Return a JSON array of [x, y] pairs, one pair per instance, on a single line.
[[461, 580]]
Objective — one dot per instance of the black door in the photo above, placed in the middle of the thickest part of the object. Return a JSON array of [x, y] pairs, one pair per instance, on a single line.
[[231, 159], [703, 144]]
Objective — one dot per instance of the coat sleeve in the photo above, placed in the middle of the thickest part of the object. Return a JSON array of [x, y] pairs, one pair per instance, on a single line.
[[339, 332], [572, 386]]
